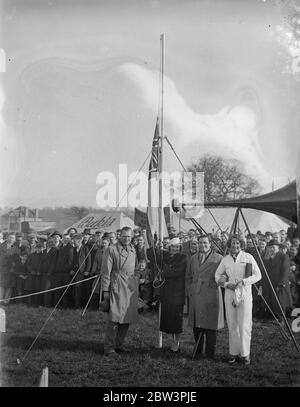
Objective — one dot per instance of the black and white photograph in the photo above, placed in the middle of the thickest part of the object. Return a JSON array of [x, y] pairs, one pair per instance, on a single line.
[[150, 196]]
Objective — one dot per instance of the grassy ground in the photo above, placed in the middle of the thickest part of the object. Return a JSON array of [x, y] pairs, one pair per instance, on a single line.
[[71, 346]]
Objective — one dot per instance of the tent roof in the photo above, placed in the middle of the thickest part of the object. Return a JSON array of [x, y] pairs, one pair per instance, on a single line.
[[282, 202], [257, 220], [108, 221]]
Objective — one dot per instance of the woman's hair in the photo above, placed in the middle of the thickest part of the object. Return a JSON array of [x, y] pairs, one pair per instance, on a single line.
[[239, 238]]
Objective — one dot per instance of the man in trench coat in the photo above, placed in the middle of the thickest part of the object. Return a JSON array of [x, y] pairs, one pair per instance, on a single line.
[[120, 279], [206, 313]]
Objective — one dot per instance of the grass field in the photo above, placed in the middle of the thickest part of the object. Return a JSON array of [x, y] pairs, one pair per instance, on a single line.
[[71, 346]]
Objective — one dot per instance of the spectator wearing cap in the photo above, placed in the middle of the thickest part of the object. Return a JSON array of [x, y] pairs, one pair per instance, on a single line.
[[19, 242], [96, 271], [56, 236], [278, 268], [32, 240], [61, 274], [71, 232], [7, 278], [99, 234], [33, 282], [47, 269], [113, 238], [21, 273], [172, 292], [80, 269]]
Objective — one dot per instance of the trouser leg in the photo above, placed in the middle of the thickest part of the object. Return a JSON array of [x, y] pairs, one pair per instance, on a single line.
[[211, 340], [197, 333], [233, 328], [2, 291], [244, 315], [110, 336], [121, 334], [7, 294]]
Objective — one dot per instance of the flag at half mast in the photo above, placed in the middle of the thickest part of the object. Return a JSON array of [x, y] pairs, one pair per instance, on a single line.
[[153, 189]]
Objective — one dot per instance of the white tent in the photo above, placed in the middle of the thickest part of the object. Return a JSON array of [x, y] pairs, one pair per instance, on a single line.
[[257, 220], [105, 221]]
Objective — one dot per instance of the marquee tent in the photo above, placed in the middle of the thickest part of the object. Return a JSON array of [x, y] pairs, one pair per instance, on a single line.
[[105, 221], [257, 220]]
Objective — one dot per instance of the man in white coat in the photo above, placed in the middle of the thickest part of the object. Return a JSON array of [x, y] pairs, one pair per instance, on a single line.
[[237, 272]]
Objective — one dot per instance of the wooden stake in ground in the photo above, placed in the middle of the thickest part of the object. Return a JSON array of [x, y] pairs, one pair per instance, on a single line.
[[44, 378], [2, 320]]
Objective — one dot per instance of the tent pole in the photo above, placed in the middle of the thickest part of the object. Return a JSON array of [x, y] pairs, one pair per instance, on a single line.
[[270, 283]]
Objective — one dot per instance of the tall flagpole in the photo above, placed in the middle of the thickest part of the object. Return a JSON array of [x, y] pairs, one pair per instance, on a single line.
[[160, 162]]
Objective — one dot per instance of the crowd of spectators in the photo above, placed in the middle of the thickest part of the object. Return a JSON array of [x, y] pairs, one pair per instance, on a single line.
[[34, 263]]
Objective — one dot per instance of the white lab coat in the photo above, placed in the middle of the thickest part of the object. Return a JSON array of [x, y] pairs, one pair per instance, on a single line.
[[239, 318]]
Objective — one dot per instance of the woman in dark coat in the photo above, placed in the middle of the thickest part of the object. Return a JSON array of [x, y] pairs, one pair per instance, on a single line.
[[172, 292]]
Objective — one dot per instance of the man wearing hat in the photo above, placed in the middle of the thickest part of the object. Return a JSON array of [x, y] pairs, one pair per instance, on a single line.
[[278, 268], [32, 240], [33, 282], [120, 279], [56, 236], [80, 269], [61, 275]]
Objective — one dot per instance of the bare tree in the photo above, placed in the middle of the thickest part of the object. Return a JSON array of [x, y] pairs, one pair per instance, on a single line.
[[225, 179]]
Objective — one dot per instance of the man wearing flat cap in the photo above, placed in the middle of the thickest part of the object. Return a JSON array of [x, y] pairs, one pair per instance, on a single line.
[[278, 268]]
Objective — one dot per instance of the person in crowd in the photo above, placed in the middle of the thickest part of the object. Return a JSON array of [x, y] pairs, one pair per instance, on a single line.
[[278, 268], [120, 279], [189, 251], [283, 236], [172, 292], [61, 273], [96, 271], [19, 242], [268, 236], [57, 237], [293, 231], [7, 278], [145, 284], [118, 233], [21, 272], [236, 273], [283, 248], [166, 242], [33, 282], [294, 279], [206, 314], [296, 242], [71, 232], [99, 234], [276, 237], [43, 241], [32, 241], [223, 243], [140, 248], [47, 269], [258, 304], [113, 238], [80, 269], [86, 238], [294, 254], [288, 244]]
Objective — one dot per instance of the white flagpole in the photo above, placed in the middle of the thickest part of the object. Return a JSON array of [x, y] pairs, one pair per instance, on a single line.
[[160, 163]]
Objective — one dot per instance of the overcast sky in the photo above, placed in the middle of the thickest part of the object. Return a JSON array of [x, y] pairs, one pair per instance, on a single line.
[[81, 91]]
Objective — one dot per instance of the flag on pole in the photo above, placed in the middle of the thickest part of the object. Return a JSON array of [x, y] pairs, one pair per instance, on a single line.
[[44, 378], [153, 190]]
